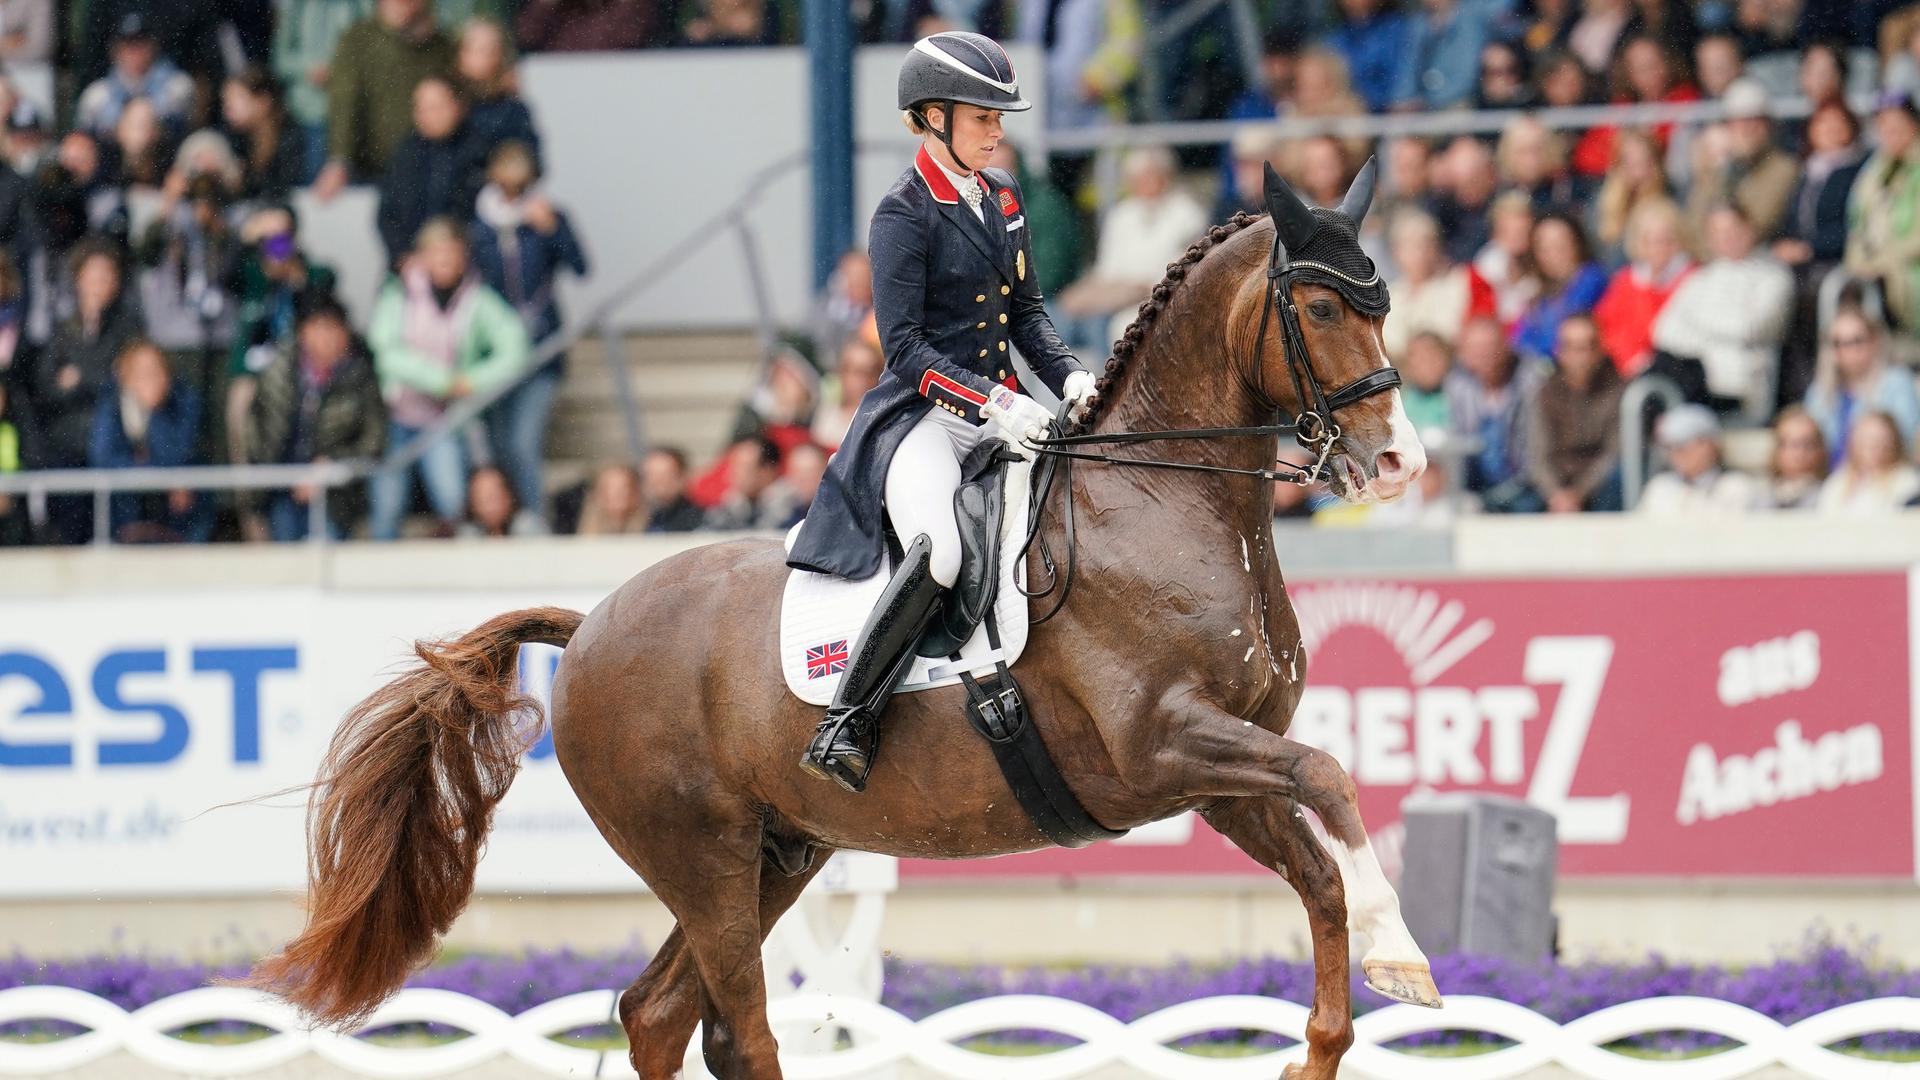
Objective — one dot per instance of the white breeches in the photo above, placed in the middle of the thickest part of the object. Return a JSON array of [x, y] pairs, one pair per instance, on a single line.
[[921, 480]]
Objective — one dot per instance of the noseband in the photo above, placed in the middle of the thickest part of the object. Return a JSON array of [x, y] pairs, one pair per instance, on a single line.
[[1315, 428]]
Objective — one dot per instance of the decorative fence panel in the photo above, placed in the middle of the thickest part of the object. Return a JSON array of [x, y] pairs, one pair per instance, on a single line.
[[878, 1041]]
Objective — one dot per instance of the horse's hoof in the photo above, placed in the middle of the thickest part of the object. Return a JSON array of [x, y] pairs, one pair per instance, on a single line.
[[1403, 981], [1294, 1072]]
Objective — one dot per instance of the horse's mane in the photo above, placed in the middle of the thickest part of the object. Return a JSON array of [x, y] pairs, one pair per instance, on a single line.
[[1125, 349]]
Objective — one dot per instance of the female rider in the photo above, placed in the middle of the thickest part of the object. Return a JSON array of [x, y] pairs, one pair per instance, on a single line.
[[954, 289]]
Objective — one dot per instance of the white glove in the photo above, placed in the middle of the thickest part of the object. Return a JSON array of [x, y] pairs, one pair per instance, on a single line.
[[1019, 417], [1079, 393]]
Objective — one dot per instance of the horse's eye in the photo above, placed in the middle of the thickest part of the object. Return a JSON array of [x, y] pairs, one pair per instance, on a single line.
[[1322, 309]]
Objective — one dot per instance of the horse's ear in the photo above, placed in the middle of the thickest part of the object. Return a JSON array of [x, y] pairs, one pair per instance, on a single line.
[[1360, 194], [1291, 218]]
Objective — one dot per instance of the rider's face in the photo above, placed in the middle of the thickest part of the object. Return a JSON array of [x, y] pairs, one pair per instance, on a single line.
[[976, 133]]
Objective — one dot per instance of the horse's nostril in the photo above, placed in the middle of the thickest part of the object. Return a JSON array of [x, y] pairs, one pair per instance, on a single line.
[[1390, 465]]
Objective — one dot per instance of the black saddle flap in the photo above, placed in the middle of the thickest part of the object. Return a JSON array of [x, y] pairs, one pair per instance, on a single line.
[[979, 506]]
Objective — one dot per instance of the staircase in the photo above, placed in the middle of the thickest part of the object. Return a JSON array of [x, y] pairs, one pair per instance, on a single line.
[[688, 387]]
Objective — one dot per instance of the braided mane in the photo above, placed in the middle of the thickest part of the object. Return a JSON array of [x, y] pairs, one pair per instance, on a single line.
[[1150, 308]]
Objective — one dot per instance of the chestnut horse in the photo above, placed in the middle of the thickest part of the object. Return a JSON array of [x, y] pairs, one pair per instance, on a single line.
[[1164, 685]]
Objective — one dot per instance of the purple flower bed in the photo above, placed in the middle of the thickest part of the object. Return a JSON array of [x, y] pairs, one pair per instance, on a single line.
[[1819, 976]]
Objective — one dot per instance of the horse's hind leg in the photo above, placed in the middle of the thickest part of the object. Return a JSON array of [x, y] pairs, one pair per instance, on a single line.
[[662, 1006], [1272, 830]]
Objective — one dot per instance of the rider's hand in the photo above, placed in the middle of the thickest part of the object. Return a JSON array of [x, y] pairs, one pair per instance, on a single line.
[[1079, 392], [1019, 417]]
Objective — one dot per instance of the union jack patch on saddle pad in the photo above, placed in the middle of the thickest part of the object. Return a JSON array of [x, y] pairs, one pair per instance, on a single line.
[[827, 659]]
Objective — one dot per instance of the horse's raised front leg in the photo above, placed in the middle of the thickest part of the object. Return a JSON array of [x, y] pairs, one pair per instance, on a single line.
[[1209, 751], [1273, 832]]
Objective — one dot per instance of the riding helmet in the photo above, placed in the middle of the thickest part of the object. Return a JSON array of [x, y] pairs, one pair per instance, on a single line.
[[955, 65]]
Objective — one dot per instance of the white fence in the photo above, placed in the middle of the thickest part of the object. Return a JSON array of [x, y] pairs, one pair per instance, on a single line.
[[882, 1039]]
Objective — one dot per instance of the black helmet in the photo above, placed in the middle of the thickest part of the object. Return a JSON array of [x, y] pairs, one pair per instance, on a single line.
[[959, 66]]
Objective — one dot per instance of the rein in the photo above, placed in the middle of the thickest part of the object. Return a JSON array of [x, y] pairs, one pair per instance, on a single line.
[[1314, 428]]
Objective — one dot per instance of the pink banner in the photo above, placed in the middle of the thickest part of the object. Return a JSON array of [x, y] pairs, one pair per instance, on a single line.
[[1751, 726]]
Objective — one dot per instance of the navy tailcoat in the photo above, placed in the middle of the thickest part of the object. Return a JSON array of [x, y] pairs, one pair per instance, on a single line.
[[951, 295]]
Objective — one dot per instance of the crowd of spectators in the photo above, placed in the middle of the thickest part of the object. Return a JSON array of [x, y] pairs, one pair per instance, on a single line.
[[157, 308]]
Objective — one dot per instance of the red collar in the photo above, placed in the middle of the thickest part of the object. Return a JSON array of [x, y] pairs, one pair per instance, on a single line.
[[936, 178]]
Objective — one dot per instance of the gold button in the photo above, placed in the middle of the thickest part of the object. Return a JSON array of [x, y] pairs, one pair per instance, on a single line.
[[1003, 346], [982, 298], [1000, 374], [1003, 318], [1004, 290], [980, 326], [983, 352]]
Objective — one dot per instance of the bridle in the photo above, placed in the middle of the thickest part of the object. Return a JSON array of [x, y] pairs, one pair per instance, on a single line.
[[1315, 428]]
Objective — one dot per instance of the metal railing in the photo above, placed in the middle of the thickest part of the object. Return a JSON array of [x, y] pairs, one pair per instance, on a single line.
[[1633, 431]]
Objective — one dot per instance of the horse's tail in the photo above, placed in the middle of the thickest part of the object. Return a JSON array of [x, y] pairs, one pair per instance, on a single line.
[[400, 812]]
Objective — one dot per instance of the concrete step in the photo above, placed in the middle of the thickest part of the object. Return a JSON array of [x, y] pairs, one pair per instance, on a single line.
[[688, 388]]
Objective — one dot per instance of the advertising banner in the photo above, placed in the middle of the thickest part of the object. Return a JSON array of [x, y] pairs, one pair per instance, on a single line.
[[1740, 726], [132, 729]]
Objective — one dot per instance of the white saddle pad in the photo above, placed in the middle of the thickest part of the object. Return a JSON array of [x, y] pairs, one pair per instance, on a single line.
[[821, 616]]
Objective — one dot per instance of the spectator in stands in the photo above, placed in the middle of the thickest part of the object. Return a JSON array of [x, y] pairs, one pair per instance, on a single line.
[[1279, 53], [1486, 396], [1657, 264], [272, 281], [1321, 173], [318, 400], [1429, 295], [1407, 182], [1738, 161], [28, 138], [1570, 283], [756, 497], [1533, 159], [730, 22], [1856, 377], [305, 34], [1506, 262], [1636, 176], [1143, 232], [27, 40], [663, 483], [492, 510], [1423, 391], [1690, 436], [587, 25], [438, 335], [1874, 478], [79, 360], [1731, 315], [436, 171], [806, 465], [1468, 183], [1901, 55], [370, 85], [1504, 82], [15, 527], [204, 153], [1814, 228], [1823, 74], [613, 502], [780, 408], [136, 160], [856, 371], [1573, 438], [1595, 35], [144, 418], [272, 154], [1767, 26], [69, 199], [1541, 26], [1647, 73], [521, 243], [1323, 90], [13, 318], [1799, 463], [1092, 55], [1883, 236], [1372, 38], [186, 256], [139, 71], [1717, 63], [1440, 61], [1669, 21], [847, 301], [491, 85]]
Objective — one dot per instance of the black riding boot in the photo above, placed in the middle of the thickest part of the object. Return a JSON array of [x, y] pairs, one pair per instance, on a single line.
[[842, 749]]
